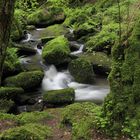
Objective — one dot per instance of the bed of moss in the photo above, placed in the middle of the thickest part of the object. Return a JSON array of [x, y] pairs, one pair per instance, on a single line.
[[26, 126]]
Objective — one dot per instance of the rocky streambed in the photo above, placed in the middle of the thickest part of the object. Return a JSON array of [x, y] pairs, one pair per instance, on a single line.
[[60, 77]]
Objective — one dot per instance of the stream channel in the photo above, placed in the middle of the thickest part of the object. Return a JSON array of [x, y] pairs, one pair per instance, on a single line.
[[59, 79]]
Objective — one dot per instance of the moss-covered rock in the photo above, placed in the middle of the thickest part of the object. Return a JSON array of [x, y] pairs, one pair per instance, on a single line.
[[46, 16], [82, 70], [30, 27], [27, 132], [6, 105], [27, 80], [44, 40], [100, 61], [56, 51], [85, 29], [12, 64], [59, 97], [24, 49], [54, 31], [10, 92]]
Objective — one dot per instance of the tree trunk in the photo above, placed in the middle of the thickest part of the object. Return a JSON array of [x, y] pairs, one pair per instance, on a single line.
[[6, 14]]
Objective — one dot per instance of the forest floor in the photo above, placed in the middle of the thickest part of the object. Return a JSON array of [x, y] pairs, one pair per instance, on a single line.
[[60, 133]]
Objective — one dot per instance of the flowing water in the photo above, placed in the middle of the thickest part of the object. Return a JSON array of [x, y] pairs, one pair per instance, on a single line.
[[55, 79]]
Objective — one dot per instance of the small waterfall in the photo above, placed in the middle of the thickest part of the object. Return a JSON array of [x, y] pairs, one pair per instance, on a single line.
[[79, 51], [28, 38], [40, 29], [54, 80], [71, 30], [25, 60]]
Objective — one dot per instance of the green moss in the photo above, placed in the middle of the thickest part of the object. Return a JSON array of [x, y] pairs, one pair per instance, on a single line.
[[6, 105], [46, 16], [12, 64], [81, 117], [54, 31], [104, 40], [5, 116], [75, 112], [122, 104], [19, 25], [26, 80], [81, 69], [27, 132], [60, 97], [56, 51], [33, 117], [100, 61], [10, 92]]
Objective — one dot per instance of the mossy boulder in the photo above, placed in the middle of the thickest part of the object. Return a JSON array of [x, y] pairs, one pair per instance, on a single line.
[[12, 64], [27, 132], [54, 31], [44, 40], [59, 97], [44, 17], [84, 30], [10, 92], [82, 70], [56, 51], [24, 49], [30, 27], [6, 105], [100, 61], [27, 80]]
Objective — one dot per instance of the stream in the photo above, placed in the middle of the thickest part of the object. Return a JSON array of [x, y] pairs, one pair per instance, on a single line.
[[55, 79]]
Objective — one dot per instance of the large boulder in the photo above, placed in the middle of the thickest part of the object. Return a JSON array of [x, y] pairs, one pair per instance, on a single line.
[[56, 51], [12, 64], [82, 70], [84, 30], [54, 31], [100, 61], [59, 97], [27, 80], [44, 17], [6, 105], [24, 49], [10, 92]]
